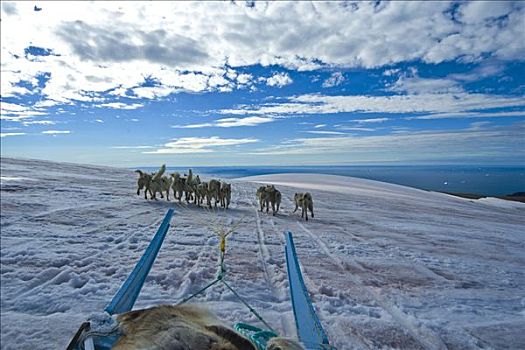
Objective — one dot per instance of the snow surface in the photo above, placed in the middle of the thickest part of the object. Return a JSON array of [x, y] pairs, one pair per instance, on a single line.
[[387, 266]]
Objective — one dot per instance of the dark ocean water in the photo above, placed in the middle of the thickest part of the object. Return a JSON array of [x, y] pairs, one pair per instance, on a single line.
[[490, 181]]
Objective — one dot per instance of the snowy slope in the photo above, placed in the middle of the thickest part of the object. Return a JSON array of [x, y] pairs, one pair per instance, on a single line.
[[387, 266]]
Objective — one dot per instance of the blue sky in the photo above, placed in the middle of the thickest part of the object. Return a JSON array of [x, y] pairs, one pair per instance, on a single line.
[[242, 83]]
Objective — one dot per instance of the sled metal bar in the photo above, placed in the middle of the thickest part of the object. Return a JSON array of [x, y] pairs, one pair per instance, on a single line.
[[309, 328], [126, 296]]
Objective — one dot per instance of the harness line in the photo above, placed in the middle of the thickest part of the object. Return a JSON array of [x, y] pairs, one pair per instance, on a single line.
[[221, 273]]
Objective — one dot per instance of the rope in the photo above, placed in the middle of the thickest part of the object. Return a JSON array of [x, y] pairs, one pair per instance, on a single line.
[[249, 307], [220, 278], [199, 292]]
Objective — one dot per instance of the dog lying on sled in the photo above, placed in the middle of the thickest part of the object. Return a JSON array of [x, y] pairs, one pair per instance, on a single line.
[[305, 202], [184, 327]]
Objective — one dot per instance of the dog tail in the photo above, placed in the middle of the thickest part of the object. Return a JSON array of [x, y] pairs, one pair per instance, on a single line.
[[159, 174], [140, 172]]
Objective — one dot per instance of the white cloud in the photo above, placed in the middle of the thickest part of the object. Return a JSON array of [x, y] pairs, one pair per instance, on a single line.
[[480, 11], [121, 105], [200, 48], [417, 85], [391, 72], [420, 103], [349, 128], [7, 134], [15, 112], [38, 122], [319, 126], [229, 123], [244, 78], [325, 132], [335, 79], [412, 146], [189, 145], [99, 120], [56, 132], [372, 120], [46, 103], [457, 115], [279, 80]]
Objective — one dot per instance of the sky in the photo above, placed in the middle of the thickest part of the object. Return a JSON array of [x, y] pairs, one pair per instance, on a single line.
[[235, 83]]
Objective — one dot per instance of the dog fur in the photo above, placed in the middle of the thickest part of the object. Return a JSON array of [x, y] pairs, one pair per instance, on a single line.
[[182, 327], [202, 193], [214, 189], [225, 194], [158, 183], [143, 182], [261, 196], [283, 344], [273, 197], [177, 186], [305, 202]]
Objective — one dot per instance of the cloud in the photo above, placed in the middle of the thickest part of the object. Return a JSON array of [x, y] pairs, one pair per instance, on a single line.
[[391, 72], [349, 128], [335, 79], [197, 50], [38, 122], [479, 12], [121, 105], [325, 132], [190, 145], [372, 120], [423, 146], [8, 134], [416, 85], [417, 103], [9, 8], [56, 132], [126, 42], [16, 113], [458, 115], [279, 80], [229, 123]]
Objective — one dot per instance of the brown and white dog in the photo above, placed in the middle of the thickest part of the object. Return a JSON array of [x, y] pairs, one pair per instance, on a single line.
[[225, 194], [273, 197], [143, 181], [184, 327], [305, 202]]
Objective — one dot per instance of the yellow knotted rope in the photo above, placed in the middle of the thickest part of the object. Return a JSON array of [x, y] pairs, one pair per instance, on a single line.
[[223, 234]]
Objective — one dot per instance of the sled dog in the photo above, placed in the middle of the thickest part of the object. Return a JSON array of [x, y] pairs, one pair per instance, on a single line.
[[214, 189], [273, 197], [305, 202], [225, 194], [143, 182]]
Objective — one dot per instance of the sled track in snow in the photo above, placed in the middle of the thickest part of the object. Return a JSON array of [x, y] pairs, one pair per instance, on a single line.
[[115, 248], [265, 255], [427, 338]]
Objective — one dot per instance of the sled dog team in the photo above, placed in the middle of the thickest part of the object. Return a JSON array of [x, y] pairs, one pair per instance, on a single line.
[[189, 187], [193, 189]]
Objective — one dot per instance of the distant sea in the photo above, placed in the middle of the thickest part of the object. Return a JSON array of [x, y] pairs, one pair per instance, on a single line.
[[483, 180]]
